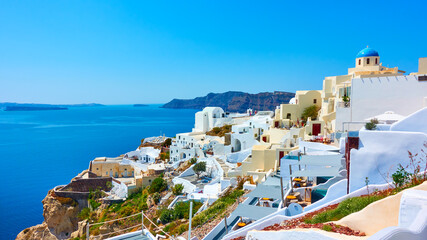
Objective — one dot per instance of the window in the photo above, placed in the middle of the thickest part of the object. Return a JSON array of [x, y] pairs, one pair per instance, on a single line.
[[314, 101], [106, 173], [97, 169], [360, 61], [367, 60], [376, 60], [288, 116]]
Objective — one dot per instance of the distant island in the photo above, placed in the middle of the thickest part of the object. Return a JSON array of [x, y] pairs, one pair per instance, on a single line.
[[18, 108], [140, 105], [234, 101], [10, 106]]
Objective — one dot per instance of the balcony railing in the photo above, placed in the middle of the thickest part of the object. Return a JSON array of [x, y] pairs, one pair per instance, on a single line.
[[344, 104]]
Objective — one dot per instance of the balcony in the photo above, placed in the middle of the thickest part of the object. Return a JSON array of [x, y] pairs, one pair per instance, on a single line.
[[343, 104]]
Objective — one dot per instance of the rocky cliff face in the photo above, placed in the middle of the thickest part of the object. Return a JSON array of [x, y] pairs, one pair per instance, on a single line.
[[234, 101], [61, 220]]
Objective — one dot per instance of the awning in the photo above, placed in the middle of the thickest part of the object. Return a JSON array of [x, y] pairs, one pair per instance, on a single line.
[[266, 191], [253, 212], [388, 117], [320, 160], [319, 172]]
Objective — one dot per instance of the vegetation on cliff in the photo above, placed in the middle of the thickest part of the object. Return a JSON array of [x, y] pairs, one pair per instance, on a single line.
[[219, 131]]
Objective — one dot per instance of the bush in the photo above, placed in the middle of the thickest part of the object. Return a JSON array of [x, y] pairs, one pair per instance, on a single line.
[[372, 125], [310, 112], [167, 215], [400, 177], [156, 197], [94, 204], [177, 189], [84, 213], [199, 168], [327, 228], [193, 160], [158, 185], [167, 142], [164, 155]]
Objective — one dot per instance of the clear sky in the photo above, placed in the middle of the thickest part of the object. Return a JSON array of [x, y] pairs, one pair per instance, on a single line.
[[125, 52]]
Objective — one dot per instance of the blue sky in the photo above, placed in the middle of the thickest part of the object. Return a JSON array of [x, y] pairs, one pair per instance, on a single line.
[[124, 52]]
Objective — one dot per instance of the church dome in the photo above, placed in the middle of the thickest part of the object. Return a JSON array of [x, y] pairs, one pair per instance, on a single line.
[[367, 52]]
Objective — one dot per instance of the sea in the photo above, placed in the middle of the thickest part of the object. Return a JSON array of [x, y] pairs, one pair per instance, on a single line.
[[42, 149]]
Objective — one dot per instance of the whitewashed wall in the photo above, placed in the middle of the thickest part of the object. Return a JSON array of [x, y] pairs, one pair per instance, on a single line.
[[373, 96]]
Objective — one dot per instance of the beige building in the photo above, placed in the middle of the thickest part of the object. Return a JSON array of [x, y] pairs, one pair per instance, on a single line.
[[296, 106], [110, 167]]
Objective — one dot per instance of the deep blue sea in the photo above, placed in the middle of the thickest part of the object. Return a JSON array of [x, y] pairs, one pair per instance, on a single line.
[[42, 149]]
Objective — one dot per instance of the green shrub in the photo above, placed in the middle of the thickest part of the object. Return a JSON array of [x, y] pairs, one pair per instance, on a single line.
[[158, 185], [400, 177], [94, 204], [193, 160], [156, 197], [327, 228], [84, 213], [167, 215], [310, 112], [177, 189], [371, 125]]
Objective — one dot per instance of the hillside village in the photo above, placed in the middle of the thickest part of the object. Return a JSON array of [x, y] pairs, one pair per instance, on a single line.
[[361, 139]]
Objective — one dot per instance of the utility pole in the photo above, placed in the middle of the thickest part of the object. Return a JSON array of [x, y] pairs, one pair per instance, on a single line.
[[189, 224]]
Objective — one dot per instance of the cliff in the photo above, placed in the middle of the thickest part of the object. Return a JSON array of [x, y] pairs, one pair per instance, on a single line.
[[234, 101], [61, 220]]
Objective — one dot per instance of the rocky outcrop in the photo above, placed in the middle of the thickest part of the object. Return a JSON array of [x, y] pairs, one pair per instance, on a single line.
[[234, 101], [61, 220]]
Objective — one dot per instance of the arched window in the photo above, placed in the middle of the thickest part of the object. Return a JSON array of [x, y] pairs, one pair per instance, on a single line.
[[376, 60], [367, 60], [360, 61]]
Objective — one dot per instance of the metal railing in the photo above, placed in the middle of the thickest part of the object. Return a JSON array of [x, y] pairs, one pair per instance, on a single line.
[[138, 226], [343, 104]]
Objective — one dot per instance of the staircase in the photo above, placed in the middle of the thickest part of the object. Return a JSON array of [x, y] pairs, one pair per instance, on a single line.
[[224, 166]]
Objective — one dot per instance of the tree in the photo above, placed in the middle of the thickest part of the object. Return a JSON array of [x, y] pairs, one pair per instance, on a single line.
[[167, 142], [158, 185], [178, 189], [310, 112], [199, 168]]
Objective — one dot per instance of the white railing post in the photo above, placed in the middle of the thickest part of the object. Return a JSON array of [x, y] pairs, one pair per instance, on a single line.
[[189, 224], [87, 230], [142, 223]]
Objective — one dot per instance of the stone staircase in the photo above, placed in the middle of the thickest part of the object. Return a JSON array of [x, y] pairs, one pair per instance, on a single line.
[[224, 166]]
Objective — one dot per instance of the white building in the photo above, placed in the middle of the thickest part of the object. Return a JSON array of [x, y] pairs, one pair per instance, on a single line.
[[186, 146], [373, 96], [209, 118], [144, 155]]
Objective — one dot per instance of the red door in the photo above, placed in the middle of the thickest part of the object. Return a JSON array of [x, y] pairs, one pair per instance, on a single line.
[[276, 124], [316, 129], [281, 154], [264, 139]]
